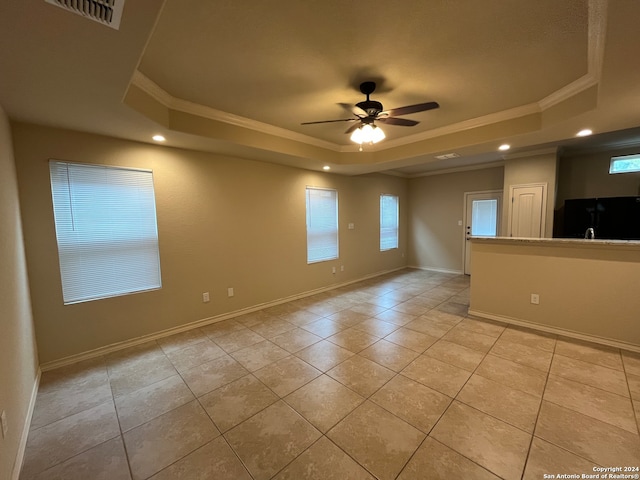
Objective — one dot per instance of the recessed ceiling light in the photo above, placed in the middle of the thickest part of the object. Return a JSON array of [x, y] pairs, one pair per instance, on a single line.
[[584, 133], [504, 147], [158, 138], [326, 167]]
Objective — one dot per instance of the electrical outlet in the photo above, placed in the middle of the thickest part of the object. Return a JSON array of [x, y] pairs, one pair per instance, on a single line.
[[230, 292], [5, 425], [205, 297], [342, 268], [535, 299], [333, 269]]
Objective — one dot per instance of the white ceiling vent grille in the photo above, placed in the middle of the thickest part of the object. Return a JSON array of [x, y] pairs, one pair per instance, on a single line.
[[107, 12], [447, 156]]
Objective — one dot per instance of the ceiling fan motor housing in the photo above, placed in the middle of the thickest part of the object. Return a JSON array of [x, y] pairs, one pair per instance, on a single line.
[[370, 106]]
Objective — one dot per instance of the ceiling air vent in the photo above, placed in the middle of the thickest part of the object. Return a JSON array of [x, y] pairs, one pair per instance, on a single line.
[[107, 12], [447, 156]]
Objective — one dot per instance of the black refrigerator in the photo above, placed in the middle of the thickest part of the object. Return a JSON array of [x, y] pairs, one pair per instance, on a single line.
[[612, 218]]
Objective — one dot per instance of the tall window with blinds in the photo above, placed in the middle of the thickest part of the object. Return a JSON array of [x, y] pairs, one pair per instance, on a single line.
[[322, 224], [106, 229], [388, 222]]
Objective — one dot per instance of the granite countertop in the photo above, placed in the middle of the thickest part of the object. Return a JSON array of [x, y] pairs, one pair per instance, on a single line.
[[573, 242]]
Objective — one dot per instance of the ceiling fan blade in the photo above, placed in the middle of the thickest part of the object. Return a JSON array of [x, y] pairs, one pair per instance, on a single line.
[[357, 111], [420, 107], [352, 128], [331, 121], [403, 122]]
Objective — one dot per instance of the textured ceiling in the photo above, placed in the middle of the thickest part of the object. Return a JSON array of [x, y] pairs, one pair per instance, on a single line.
[[293, 62], [238, 78]]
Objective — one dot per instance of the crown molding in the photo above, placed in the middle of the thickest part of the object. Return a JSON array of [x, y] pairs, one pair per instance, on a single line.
[[159, 94], [608, 147], [477, 122], [393, 173], [531, 153], [568, 91], [463, 168]]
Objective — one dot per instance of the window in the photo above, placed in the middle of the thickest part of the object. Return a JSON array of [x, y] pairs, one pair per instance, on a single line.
[[484, 217], [322, 224], [388, 222], [105, 220], [625, 164]]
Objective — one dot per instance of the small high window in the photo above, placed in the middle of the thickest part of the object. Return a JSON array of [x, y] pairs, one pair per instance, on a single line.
[[625, 164]]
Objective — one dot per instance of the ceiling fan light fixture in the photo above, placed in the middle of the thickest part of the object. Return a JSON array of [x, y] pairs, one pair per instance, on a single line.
[[367, 134]]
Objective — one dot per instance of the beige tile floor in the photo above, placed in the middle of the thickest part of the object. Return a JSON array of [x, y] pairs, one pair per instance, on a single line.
[[388, 378]]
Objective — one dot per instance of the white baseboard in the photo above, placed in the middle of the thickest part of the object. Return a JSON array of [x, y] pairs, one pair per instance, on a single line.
[[198, 323], [438, 270], [558, 331], [17, 465]]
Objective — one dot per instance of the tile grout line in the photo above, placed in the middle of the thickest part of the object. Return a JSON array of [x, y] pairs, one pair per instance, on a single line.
[[592, 363], [626, 377], [538, 416], [428, 434], [535, 425], [124, 445], [368, 398], [71, 414], [455, 398]]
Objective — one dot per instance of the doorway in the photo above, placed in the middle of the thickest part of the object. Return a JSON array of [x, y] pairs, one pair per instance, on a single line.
[[481, 217]]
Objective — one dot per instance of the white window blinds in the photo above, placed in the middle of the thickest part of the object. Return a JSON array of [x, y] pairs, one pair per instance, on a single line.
[[322, 224], [388, 222], [106, 229]]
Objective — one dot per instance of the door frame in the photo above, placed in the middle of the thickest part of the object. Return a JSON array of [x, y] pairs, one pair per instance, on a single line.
[[500, 195], [543, 219]]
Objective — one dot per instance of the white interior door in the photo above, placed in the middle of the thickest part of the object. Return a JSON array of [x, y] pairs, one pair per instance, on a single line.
[[482, 214], [526, 218]]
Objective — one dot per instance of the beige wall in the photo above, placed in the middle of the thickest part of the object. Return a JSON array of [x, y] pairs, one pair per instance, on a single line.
[[587, 176], [18, 359], [436, 203], [222, 222], [586, 288], [540, 168]]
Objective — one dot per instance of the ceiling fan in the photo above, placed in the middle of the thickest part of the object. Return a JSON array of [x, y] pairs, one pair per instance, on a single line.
[[367, 112]]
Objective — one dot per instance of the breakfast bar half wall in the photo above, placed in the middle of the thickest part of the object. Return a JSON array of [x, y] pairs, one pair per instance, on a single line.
[[586, 289]]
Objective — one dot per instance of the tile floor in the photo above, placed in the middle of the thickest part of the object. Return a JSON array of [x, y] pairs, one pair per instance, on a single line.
[[384, 379]]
